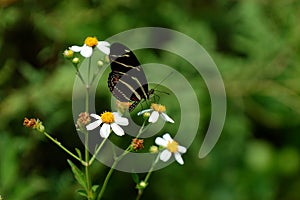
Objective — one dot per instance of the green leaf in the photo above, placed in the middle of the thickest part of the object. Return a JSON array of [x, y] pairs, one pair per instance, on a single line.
[[82, 193], [79, 176], [95, 187], [79, 153], [135, 178]]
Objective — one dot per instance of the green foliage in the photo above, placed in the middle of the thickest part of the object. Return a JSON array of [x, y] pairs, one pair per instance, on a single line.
[[11, 186], [255, 44], [79, 176]]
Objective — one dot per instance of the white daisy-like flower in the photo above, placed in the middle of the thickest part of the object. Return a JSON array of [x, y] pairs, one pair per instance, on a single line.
[[109, 120], [87, 49], [157, 110], [171, 146]]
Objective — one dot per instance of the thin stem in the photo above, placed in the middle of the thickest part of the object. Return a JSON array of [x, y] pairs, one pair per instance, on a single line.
[[79, 75], [97, 151], [151, 169], [87, 174], [95, 75], [116, 162], [64, 148], [87, 157], [140, 191], [89, 69], [106, 181], [141, 129], [111, 171], [87, 98]]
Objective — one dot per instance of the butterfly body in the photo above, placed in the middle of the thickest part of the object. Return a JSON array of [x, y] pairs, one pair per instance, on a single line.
[[127, 81]]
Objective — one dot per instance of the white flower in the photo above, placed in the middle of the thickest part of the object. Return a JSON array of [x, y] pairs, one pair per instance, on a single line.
[[171, 146], [108, 120], [157, 110], [87, 49]]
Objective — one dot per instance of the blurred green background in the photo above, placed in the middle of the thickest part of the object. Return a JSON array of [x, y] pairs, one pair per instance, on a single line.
[[255, 44]]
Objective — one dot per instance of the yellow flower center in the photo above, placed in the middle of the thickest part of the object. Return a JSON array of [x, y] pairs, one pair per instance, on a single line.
[[107, 117], [158, 107], [91, 41], [172, 146]]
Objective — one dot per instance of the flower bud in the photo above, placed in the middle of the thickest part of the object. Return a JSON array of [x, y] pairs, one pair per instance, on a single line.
[[75, 60], [141, 185], [29, 123], [153, 149], [100, 63], [146, 115], [68, 53], [39, 126], [137, 144], [34, 124]]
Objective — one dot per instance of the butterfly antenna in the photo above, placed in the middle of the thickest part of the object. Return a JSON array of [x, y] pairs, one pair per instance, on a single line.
[[167, 93], [163, 81]]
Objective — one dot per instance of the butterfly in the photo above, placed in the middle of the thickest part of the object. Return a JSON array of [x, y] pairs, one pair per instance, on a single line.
[[127, 81]]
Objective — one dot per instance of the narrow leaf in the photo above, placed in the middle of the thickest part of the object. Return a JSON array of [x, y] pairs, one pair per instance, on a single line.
[[82, 193], [79, 176], [95, 187], [135, 178], [79, 153]]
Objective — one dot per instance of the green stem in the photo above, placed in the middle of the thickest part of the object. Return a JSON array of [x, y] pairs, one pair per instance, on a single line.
[[79, 75], [140, 191], [151, 169], [87, 98], [116, 162], [95, 75], [97, 151], [87, 158], [89, 69], [106, 181], [111, 171], [87, 174], [141, 129], [64, 148]]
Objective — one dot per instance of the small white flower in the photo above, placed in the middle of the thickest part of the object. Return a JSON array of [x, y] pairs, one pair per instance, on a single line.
[[109, 120], [171, 146], [157, 110], [87, 49]]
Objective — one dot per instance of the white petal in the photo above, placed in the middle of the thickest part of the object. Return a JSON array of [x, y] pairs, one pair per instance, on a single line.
[[95, 116], [181, 149], [104, 47], [103, 43], [93, 125], [165, 155], [153, 117], [167, 137], [86, 51], [178, 158], [75, 48], [166, 117], [161, 142], [117, 129], [117, 114], [105, 130], [144, 111], [120, 120]]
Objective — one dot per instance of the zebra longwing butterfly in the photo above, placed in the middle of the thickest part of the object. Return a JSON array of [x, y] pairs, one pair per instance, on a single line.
[[127, 80]]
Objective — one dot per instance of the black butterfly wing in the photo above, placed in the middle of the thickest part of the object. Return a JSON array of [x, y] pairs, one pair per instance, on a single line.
[[127, 80]]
